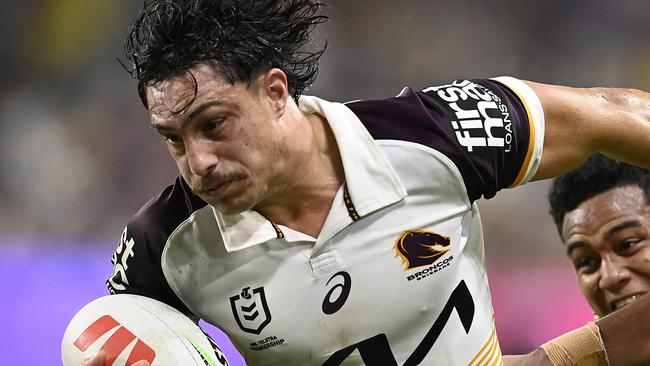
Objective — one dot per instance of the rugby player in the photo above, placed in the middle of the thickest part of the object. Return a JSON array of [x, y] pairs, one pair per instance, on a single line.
[[602, 213], [319, 233]]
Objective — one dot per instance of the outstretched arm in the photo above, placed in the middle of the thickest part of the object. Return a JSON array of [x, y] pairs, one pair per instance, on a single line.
[[583, 121], [535, 358], [625, 335]]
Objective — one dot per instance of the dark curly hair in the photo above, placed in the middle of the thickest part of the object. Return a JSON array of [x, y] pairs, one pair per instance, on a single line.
[[597, 175], [241, 38]]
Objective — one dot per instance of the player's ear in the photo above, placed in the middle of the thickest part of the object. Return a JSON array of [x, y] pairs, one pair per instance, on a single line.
[[276, 88]]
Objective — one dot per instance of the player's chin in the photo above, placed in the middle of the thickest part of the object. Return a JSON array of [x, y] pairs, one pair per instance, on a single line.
[[234, 200], [232, 205]]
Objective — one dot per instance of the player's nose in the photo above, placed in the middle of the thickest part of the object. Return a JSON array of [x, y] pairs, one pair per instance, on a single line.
[[201, 159], [614, 275]]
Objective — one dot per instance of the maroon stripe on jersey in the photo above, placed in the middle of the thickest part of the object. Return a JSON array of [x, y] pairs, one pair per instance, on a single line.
[[469, 131]]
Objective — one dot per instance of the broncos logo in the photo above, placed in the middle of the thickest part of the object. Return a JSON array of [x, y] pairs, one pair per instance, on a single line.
[[419, 248]]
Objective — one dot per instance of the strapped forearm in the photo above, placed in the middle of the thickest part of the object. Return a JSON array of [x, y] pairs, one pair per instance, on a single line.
[[582, 347], [618, 339]]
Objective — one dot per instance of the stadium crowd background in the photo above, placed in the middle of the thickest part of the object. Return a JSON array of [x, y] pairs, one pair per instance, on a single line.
[[77, 157]]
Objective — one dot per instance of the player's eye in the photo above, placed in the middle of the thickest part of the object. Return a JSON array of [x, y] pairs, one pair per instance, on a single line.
[[173, 140], [213, 124], [628, 244], [586, 264]]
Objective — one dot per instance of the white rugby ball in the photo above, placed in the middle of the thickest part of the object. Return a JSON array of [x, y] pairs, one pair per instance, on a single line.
[[132, 328]]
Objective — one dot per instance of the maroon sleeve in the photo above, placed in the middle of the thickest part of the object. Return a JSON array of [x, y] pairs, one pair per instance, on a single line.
[[137, 265], [480, 125]]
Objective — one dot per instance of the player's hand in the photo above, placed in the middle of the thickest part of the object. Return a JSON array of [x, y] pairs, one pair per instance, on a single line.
[[535, 358], [100, 358]]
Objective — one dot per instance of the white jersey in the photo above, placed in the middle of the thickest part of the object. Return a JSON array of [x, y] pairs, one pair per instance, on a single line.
[[397, 274]]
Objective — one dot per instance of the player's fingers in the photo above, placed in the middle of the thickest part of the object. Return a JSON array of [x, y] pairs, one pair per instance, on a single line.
[[97, 360]]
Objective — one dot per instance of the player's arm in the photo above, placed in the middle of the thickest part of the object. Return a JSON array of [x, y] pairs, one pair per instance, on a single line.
[[582, 121], [621, 338], [535, 358], [626, 334], [137, 268], [98, 360], [137, 261]]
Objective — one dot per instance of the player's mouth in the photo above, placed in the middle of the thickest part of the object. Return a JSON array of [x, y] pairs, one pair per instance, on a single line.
[[621, 303], [219, 189]]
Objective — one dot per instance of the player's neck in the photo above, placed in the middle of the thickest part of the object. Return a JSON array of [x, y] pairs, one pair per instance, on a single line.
[[304, 203], [308, 216]]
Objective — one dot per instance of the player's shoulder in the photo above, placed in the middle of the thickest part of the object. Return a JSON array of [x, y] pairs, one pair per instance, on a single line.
[[164, 212], [137, 267], [423, 115], [418, 103], [481, 126], [401, 117], [407, 98]]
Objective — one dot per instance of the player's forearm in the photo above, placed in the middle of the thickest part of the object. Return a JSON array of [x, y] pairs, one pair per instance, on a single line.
[[583, 121], [628, 137], [626, 334], [535, 358], [619, 339]]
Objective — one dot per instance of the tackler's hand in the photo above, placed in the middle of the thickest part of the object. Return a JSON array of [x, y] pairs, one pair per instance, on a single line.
[[100, 358], [535, 358]]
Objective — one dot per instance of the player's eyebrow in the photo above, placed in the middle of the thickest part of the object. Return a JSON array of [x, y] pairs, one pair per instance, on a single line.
[[198, 110], [634, 223], [622, 226], [574, 246], [203, 107], [160, 127]]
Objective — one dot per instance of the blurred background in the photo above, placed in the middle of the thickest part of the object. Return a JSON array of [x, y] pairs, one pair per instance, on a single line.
[[78, 158]]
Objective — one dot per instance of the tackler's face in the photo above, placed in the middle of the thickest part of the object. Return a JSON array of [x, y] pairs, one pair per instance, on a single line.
[[607, 238], [227, 139]]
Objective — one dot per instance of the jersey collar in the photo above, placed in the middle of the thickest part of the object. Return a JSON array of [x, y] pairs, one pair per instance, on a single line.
[[371, 182]]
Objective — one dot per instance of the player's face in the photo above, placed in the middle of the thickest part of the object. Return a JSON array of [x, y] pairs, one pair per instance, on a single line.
[[229, 144], [608, 240]]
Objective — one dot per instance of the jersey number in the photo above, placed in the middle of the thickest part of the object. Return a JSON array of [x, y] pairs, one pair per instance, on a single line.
[[375, 351]]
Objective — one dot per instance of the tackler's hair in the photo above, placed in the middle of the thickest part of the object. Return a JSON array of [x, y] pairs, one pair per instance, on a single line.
[[597, 175]]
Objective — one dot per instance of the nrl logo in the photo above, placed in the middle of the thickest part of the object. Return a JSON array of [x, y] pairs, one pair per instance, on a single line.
[[419, 248], [251, 310]]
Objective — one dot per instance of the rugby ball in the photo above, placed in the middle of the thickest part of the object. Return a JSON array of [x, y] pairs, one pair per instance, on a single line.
[[132, 328]]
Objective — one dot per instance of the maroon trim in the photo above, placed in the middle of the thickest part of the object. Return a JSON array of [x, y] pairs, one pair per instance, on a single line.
[[348, 203], [278, 232]]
